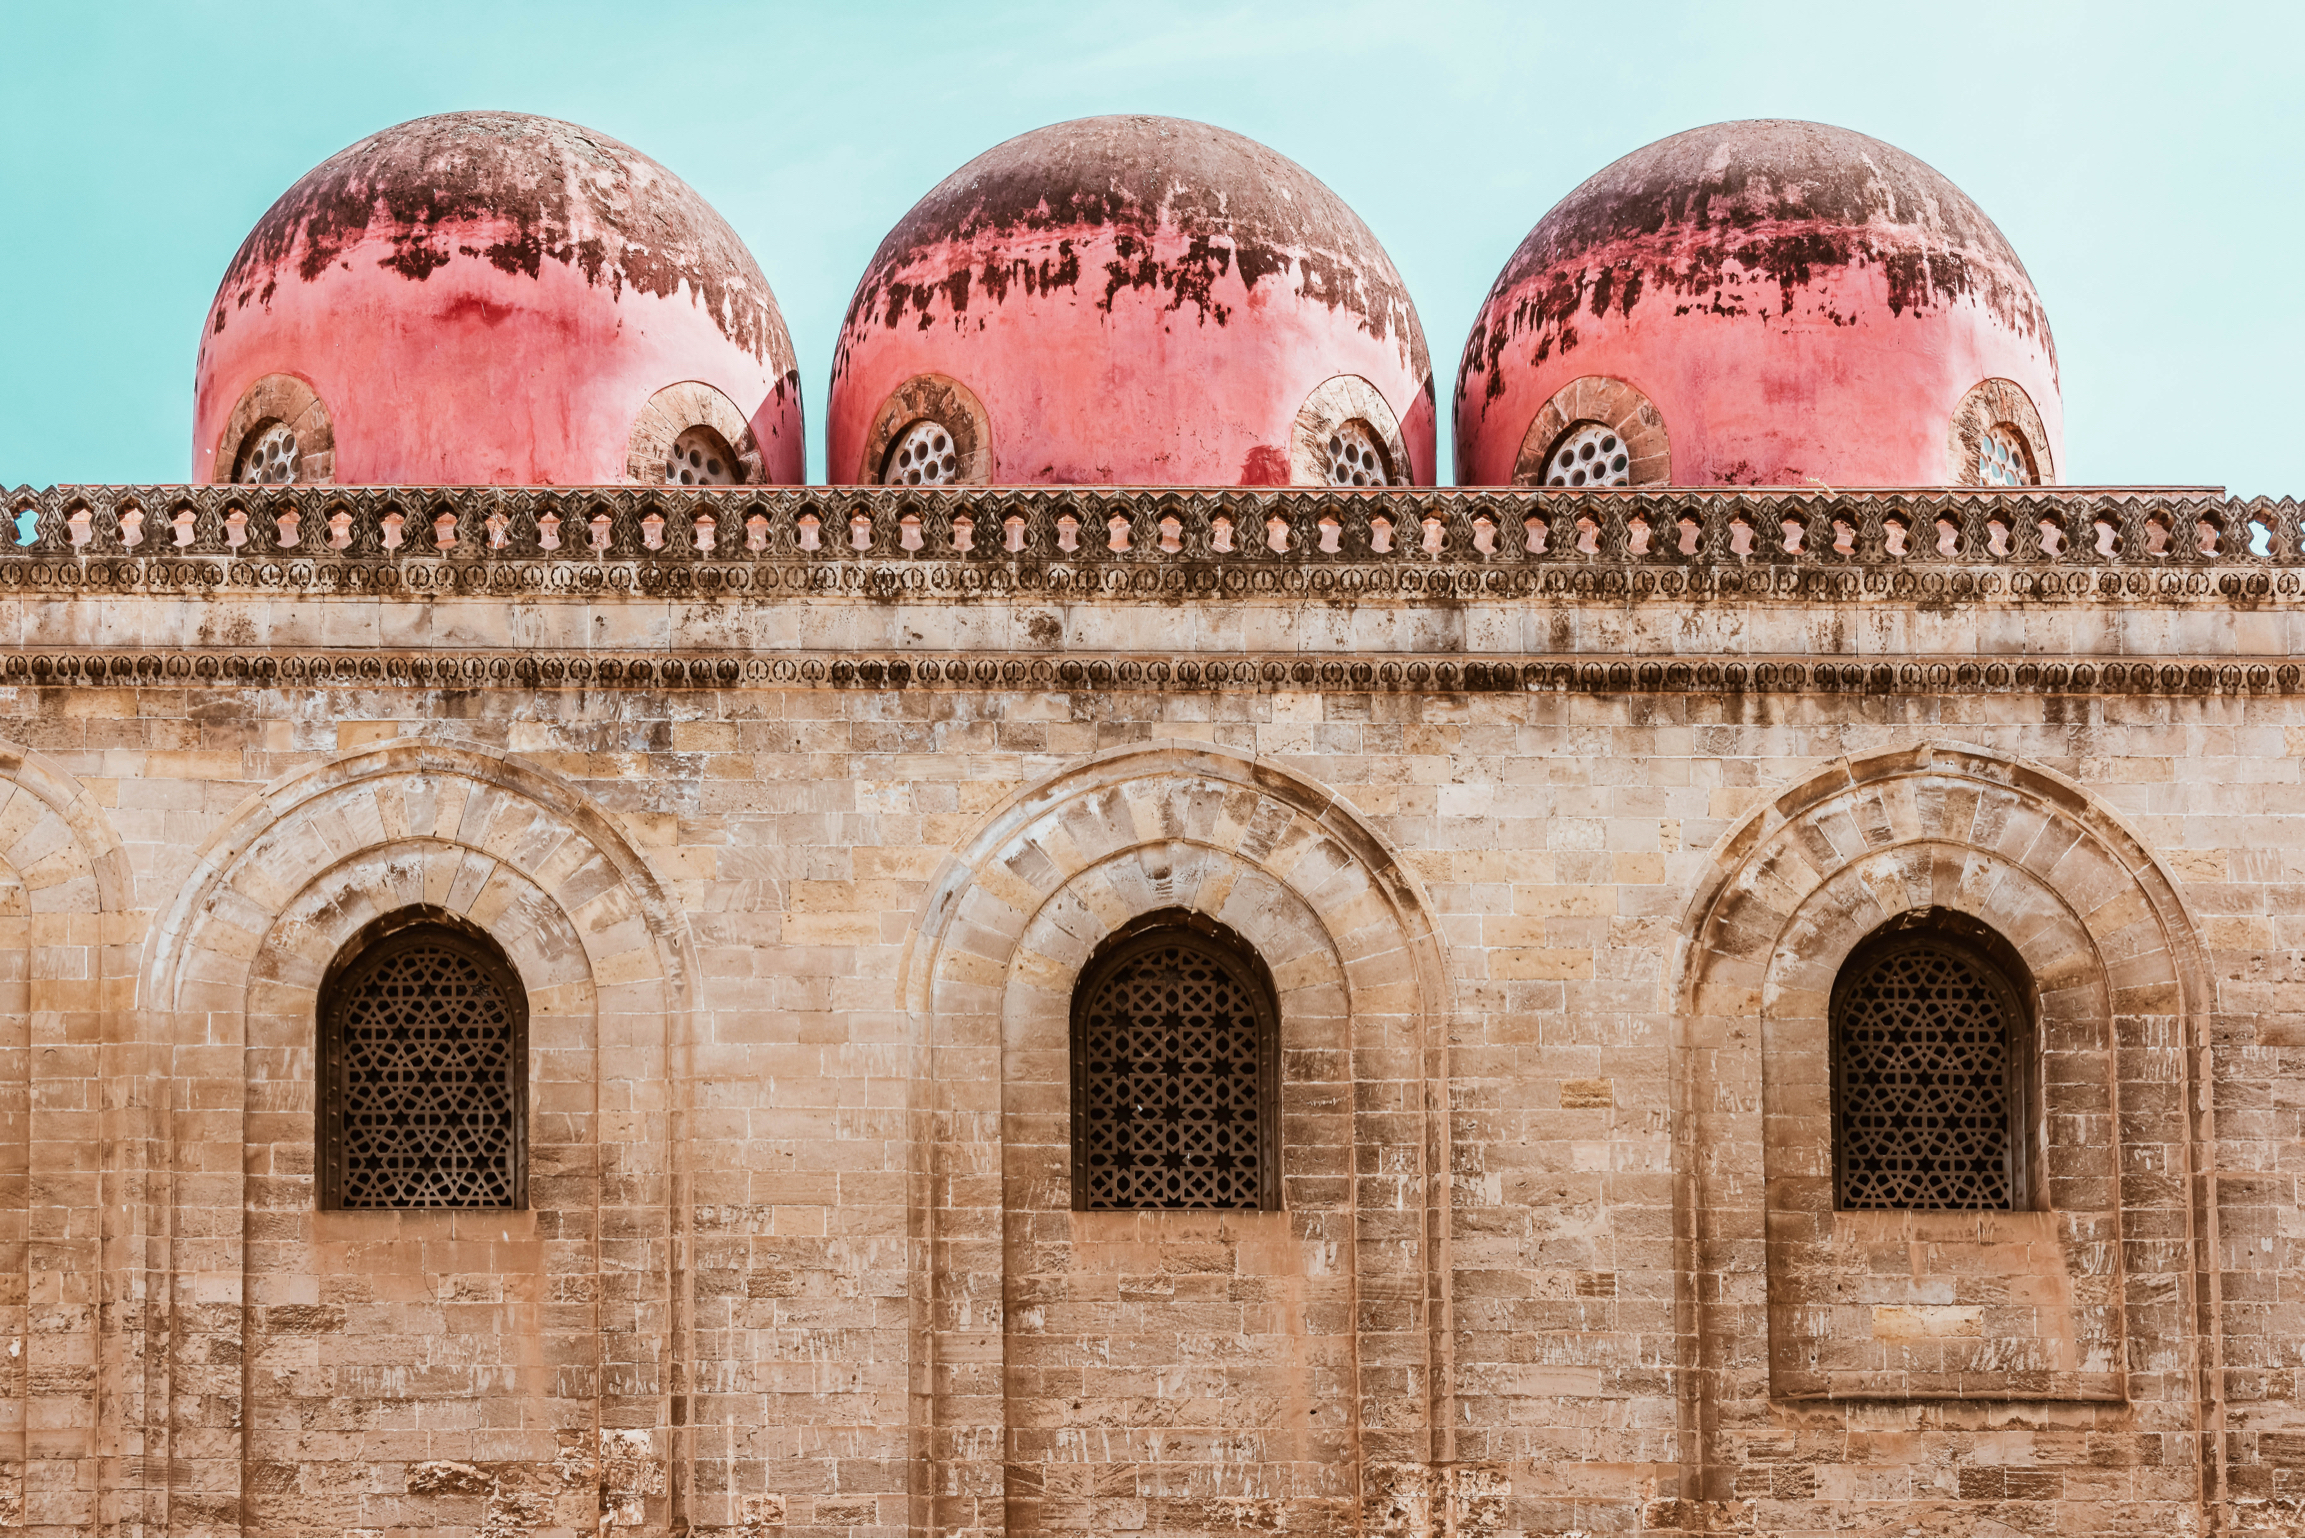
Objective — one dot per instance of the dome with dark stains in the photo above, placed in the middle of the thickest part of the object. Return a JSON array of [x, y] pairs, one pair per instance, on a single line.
[[489, 297], [1135, 300], [1761, 303]]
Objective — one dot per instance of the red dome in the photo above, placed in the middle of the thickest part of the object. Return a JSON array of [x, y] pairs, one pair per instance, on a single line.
[[491, 298], [1762, 303], [1131, 300]]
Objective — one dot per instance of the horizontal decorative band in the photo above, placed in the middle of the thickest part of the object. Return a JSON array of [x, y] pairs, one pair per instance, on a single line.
[[1611, 582], [1428, 675], [1141, 529]]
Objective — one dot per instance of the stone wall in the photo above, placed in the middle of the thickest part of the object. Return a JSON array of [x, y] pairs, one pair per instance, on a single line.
[[1551, 911]]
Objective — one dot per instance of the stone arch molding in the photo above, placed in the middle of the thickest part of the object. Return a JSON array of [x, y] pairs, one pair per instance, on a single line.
[[228, 992], [987, 977], [1789, 1302], [289, 835]]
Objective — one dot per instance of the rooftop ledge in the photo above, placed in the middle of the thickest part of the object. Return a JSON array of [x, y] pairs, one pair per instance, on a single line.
[[1158, 542]]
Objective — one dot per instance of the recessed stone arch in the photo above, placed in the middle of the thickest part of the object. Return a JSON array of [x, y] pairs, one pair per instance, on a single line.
[[1793, 1310], [229, 987], [987, 980]]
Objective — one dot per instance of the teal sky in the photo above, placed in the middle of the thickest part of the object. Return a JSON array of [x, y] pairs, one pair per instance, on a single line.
[[2148, 162]]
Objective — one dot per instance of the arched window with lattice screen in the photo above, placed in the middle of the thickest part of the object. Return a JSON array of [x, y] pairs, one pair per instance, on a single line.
[[1931, 1070], [1175, 1071], [423, 1070]]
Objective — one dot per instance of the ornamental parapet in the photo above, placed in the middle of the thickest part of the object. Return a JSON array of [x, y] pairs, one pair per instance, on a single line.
[[1959, 545]]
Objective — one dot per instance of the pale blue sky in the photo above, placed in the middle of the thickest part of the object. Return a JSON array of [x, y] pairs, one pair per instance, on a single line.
[[2148, 161]]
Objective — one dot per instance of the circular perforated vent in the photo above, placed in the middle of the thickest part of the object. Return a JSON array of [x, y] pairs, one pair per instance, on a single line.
[[1924, 1074], [1589, 455], [1355, 457], [2002, 459], [269, 459], [923, 455], [700, 458]]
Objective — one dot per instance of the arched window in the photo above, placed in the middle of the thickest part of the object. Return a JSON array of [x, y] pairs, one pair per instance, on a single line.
[[2004, 458], [1357, 457], [924, 454], [1588, 454], [701, 457], [423, 1070], [1175, 1071], [268, 456], [1931, 1069]]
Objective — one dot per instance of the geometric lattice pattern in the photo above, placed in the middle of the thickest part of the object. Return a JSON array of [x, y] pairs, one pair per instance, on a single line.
[[425, 1053], [1923, 1043], [1173, 1113]]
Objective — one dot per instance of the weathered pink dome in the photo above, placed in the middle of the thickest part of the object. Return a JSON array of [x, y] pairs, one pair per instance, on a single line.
[[1134, 300], [493, 298], [1762, 303]]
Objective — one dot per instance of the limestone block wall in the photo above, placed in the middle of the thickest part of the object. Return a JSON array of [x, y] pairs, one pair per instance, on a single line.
[[797, 890]]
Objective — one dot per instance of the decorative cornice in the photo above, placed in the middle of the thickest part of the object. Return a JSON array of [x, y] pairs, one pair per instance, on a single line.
[[895, 543], [1242, 673]]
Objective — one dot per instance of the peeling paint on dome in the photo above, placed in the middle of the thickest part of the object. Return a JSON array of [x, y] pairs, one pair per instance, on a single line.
[[1237, 205], [1785, 234], [1087, 258], [513, 191], [494, 299]]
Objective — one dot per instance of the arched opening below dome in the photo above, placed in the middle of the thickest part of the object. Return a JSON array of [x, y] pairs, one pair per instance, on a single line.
[[1346, 434], [280, 433], [1610, 433], [931, 431], [701, 457], [691, 434], [1997, 439]]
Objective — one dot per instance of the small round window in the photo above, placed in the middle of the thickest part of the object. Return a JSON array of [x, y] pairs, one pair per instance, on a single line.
[[2003, 459], [923, 455], [269, 458], [1589, 454], [1356, 458], [700, 457]]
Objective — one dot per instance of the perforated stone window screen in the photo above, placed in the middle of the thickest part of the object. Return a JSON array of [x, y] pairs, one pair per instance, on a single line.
[[1174, 1078], [1589, 454], [424, 1055], [1926, 1079], [701, 457], [923, 455], [2003, 459], [1355, 456], [269, 459]]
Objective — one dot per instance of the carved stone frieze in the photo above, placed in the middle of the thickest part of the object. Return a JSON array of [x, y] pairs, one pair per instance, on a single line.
[[1956, 545], [1584, 674]]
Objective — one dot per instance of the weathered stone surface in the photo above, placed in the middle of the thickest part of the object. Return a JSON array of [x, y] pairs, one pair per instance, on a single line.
[[1558, 1248]]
